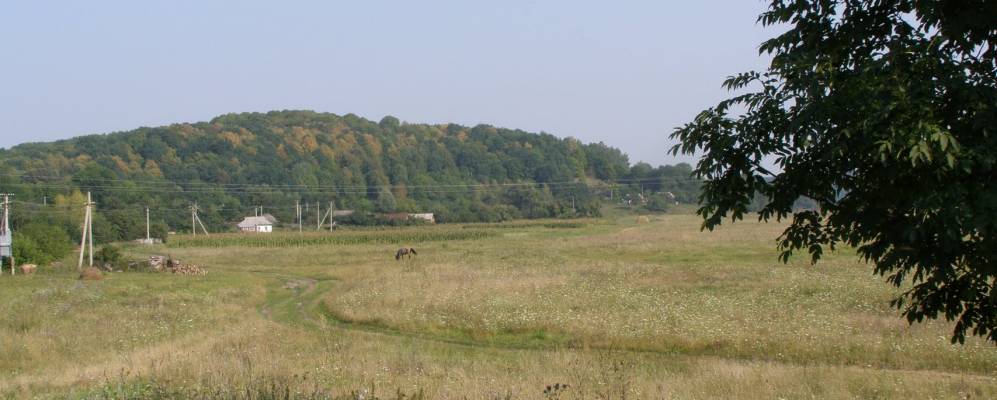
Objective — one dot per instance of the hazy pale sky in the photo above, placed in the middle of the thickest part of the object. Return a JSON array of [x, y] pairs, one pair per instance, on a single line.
[[624, 73]]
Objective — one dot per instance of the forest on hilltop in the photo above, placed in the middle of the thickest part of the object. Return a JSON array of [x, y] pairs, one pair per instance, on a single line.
[[236, 162]]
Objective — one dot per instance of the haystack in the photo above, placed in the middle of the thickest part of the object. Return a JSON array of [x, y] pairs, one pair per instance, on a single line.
[[28, 269], [643, 219], [91, 274]]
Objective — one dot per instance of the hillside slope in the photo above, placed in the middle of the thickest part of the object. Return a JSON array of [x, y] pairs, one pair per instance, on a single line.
[[236, 162]]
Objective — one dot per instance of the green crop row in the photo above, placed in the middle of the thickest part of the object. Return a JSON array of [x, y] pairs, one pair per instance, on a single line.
[[528, 224]]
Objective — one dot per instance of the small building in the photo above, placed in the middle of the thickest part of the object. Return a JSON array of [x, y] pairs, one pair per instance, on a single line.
[[428, 217], [256, 225]]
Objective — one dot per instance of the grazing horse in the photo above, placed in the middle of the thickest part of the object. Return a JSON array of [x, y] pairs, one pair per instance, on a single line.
[[405, 252]]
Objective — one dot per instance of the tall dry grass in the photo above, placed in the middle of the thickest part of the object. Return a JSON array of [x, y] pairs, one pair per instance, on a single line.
[[612, 309]]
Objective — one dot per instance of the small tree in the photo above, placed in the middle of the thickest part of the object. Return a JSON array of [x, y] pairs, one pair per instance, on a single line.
[[659, 202], [108, 255], [389, 122], [41, 244], [385, 201], [27, 251]]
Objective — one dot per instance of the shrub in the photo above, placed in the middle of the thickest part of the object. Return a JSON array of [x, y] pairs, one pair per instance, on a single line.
[[108, 255], [26, 250], [658, 203], [41, 244]]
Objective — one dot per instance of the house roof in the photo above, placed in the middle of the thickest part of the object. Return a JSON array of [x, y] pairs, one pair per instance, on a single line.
[[270, 218], [252, 222]]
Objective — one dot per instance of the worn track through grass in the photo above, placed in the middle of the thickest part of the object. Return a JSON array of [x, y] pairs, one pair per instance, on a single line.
[[297, 301]]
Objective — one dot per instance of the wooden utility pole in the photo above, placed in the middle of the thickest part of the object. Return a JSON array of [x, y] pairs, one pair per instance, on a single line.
[[86, 241], [318, 216], [5, 231]]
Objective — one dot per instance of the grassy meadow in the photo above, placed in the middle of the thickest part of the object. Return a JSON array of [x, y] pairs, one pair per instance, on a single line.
[[610, 307]]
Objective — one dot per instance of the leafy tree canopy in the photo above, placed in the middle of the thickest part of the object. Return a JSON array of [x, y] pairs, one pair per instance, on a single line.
[[237, 162], [884, 113]]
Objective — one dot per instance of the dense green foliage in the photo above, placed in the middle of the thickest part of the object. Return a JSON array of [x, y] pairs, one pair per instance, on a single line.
[[39, 243], [236, 162], [109, 255], [883, 113]]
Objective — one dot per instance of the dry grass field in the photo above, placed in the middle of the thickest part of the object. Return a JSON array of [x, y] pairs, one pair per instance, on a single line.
[[612, 308]]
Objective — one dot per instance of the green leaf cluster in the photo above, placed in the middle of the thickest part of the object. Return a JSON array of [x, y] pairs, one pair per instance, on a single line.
[[882, 113]]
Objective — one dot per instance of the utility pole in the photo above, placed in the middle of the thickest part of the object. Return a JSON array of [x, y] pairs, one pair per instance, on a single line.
[[318, 216], [7, 235], [90, 228], [86, 242], [148, 238], [195, 220], [332, 222], [297, 207]]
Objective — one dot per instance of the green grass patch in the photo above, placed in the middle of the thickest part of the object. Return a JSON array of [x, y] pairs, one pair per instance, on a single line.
[[294, 239]]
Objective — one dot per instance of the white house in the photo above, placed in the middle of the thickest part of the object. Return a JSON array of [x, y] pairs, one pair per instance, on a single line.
[[256, 224]]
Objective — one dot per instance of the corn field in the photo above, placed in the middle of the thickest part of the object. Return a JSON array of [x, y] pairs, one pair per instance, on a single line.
[[295, 239], [548, 224]]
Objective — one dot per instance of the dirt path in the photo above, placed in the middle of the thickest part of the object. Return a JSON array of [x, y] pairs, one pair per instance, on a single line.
[[298, 301]]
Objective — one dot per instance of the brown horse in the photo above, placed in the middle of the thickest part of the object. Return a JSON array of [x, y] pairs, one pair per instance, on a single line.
[[405, 252]]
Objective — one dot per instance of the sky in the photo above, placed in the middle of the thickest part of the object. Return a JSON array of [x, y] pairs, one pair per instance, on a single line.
[[624, 73]]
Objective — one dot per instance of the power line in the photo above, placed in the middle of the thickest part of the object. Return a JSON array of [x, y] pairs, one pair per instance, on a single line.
[[250, 189]]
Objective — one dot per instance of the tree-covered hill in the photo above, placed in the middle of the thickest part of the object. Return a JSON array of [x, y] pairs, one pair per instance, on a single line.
[[236, 162]]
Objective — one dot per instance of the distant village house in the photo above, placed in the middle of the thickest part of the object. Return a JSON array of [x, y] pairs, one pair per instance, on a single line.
[[428, 217], [258, 224]]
